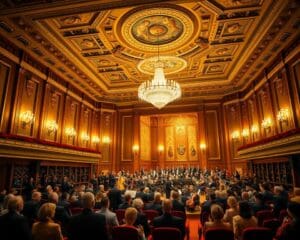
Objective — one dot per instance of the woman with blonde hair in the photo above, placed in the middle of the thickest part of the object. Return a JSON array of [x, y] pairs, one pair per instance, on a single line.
[[130, 218], [46, 228], [217, 214], [232, 211]]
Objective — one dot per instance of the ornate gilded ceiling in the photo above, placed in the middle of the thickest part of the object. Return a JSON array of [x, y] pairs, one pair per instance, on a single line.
[[107, 48]]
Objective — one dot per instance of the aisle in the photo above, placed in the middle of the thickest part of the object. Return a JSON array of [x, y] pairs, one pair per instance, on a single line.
[[194, 221]]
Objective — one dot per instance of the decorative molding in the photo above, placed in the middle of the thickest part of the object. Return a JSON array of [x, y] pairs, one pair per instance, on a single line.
[[20, 149], [282, 147]]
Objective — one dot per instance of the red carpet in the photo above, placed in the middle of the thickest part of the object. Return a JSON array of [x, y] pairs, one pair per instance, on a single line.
[[194, 223]]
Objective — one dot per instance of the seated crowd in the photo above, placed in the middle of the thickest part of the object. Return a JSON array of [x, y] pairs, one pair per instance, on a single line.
[[61, 211]]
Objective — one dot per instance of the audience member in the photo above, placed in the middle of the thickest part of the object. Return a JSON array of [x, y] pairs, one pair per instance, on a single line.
[[130, 218], [46, 228], [233, 209], [167, 220], [217, 214], [13, 225], [243, 220], [110, 217], [87, 225]]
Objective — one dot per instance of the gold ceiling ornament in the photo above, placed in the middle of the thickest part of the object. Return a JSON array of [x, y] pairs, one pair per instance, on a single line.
[[172, 64], [141, 27]]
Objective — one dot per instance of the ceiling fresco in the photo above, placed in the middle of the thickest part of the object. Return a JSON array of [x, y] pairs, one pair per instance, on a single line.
[[108, 48]]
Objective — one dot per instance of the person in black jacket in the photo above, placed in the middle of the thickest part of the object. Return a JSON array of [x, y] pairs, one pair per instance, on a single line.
[[13, 225], [32, 207], [87, 225], [167, 220], [115, 198], [141, 217], [177, 205]]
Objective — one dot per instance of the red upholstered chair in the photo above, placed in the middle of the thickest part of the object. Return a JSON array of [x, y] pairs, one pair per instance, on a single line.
[[125, 233], [283, 213], [120, 215], [264, 215], [218, 233], [272, 224], [76, 210], [257, 233], [166, 233], [204, 217], [151, 214], [187, 224]]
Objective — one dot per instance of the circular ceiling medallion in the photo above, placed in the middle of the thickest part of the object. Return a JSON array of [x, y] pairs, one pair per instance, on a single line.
[[170, 28], [171, 64]]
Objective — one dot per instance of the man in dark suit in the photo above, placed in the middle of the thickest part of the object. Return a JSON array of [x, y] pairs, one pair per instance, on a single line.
[[115, 197], [32, 207], [13, 225], [167, 220], [177, 205], [87, 225]]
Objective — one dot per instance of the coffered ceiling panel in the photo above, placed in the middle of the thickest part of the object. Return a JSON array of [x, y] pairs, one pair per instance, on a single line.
[[108, 48]]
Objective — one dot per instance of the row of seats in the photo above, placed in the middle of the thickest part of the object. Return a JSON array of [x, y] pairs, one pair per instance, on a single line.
[[166, 233]]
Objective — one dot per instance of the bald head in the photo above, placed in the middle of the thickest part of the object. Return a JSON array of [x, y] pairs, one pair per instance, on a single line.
[[167, 205]]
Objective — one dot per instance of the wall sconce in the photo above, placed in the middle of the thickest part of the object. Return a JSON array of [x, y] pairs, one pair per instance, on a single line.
[[27, 118], [51, 126], [202, 146], [135, 149], [95, 139], [70, 132], [283, 115], [245, 133], [160, 148], [254, 129], [85, 137], [235, 135], [106, 139], [266, 123]]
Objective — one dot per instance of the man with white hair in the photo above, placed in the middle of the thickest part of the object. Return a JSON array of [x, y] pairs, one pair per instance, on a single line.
[[87, 225], [13, 225]]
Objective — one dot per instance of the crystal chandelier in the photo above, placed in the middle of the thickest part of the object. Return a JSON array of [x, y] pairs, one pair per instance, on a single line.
[[159, 91]]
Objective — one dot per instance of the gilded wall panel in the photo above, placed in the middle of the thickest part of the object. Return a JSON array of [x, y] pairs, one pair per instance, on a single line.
[[4, 77], [52, 114], [145, 139], [127, 137], [213, 143], [29, 104], [265, 108], [170, 143], [71, 120], [181, 143], [192, 140]]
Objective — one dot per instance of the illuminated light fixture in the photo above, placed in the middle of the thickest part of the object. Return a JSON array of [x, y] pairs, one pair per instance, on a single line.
[[70, 132], [51, 126], [106, 139], [235, 135], [159, 91], [160, 148], [266, 123], [26, 118], [135, 148], [245, 132], [283, 115], [95, 139], [202, 146], [85, 137], [254, 129]]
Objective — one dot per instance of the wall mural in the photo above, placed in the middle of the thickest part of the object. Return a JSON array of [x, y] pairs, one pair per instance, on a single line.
[[157, 29], [181, 138]]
